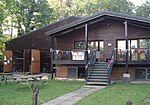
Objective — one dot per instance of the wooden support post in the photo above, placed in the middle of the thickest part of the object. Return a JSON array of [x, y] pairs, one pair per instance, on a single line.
[[86, 48], [52, 70], [126, 38], [35, 96], [129, 103], [52, 55]]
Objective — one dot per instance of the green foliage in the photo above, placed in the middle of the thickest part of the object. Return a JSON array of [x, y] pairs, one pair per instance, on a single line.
[[144, 10], [118, 94], [28, 15], [3, 38], [65, 8]]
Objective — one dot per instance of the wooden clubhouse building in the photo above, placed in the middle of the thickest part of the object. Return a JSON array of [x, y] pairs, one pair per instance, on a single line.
[[99, 48]]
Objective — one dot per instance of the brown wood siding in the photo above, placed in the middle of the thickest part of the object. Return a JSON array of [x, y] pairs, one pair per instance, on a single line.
[[108, 31], [117, 73], [62, 72], [36, 39]]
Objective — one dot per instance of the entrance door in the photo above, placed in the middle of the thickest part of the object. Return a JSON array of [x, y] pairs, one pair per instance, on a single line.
[[27, 60], [142, 73], [35, 61], [7, 61]]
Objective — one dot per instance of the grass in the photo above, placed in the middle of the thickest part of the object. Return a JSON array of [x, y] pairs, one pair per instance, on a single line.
[[13, 94], [118, 94]]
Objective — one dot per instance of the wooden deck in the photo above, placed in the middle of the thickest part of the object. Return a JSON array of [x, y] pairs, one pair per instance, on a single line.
[[68, 62], [139, 62]]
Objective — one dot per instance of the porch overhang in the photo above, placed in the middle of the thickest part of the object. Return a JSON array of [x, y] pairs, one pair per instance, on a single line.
[[133, 20]]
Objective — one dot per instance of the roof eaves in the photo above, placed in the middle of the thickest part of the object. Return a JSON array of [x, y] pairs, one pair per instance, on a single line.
[[49, 25], [107, 13]]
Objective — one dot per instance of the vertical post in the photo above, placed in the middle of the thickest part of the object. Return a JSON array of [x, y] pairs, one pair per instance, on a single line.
[[126, 38], [52, 55], [86, 48], [52, 58], [35, 96]]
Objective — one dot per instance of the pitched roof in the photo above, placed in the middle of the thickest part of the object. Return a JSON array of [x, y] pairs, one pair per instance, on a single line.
[[50, 25], [99, 15]]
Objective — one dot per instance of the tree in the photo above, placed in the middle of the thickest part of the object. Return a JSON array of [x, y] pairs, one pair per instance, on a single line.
[[3, 38], [28, 15], [66, 8], [144, 10]]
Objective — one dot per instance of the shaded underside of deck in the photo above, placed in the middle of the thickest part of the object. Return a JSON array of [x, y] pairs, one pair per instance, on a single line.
[[69, 62], [142, 62]]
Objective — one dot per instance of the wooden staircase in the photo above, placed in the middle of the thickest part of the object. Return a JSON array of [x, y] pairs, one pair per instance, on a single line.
[[99, 75]]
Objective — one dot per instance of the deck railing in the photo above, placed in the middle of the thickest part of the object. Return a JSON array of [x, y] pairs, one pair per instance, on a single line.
[[68, 55], [135, 55], [110, 65]]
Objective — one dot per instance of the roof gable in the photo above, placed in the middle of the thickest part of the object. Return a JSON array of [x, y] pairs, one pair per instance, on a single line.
[[99, 15]]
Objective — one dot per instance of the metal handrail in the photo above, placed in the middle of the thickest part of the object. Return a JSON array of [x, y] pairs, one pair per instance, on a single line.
[[91, 62], [110, 65]]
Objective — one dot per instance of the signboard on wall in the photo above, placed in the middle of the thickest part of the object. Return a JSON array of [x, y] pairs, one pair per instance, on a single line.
[[77, 55]]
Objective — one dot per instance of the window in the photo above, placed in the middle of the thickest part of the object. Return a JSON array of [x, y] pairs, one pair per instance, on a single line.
[[144, 49], [121, 50], [79, 45], [143, 43], [98, 45], [138, 49], [133, 50], [133, 44]]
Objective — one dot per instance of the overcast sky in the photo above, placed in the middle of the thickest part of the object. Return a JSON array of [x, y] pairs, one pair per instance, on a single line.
[[137, 2]]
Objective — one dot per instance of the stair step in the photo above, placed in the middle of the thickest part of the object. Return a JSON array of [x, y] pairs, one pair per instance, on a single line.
[[100, 67], [97, 80], [100, 62], [97, 72], [96, 83], [98, 77], [97, 69]]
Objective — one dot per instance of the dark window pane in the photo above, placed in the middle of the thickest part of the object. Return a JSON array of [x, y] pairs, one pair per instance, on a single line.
[[143, 43], [79, 45]]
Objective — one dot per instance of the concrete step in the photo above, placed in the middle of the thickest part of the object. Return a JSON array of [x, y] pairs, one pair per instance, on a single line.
[[98, 77], [96, 83], [97, 80]]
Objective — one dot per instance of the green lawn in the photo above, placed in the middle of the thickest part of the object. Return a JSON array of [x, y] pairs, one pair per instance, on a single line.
[[13, 94], [118, 94]]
